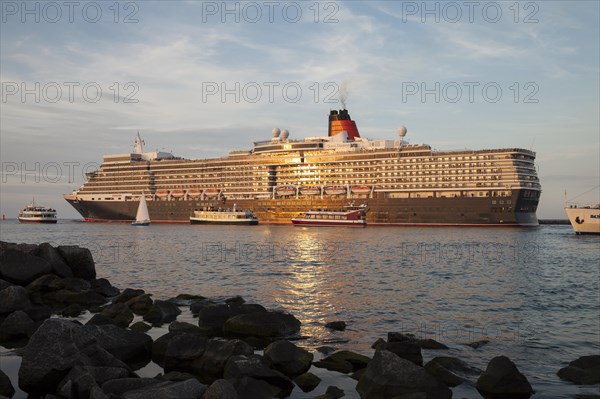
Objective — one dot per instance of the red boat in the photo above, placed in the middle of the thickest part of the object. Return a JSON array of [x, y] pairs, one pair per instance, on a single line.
[[351, 216]]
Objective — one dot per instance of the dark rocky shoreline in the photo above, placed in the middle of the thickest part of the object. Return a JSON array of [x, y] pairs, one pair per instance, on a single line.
[[41, 286]]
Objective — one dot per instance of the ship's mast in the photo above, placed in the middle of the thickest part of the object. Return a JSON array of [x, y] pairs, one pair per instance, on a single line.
[[138, 145]]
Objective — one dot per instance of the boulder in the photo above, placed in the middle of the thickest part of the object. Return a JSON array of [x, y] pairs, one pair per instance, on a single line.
[[249, 388], [162, 312], [215, 357], [188, 389], [57, 346], [254, 366], [4, 284], [451, 371], [21, 268], [13, 298], [16, 325], [99, 320], [182, 350], [287, 358], [140, 326], [117, 387], [140, 304], [478, 344], [126, 295], [389, 375], [119, 313], [180, 326], [332, 393], [103, 287], [307, 382], [583, 371], [502, 379], [336, 325], [46, 283], [72, 310], [185, 299], [55, 259], [77, 284], [220, 389], [344, 362], [79, 260], [236, 300], [212, 318], [406, 350], [6, 387], [131, 347], [30, 249], [198, 305], [262, 324], [379, 344], [38, 313], [426, 343], [84, 298], [78, 383]]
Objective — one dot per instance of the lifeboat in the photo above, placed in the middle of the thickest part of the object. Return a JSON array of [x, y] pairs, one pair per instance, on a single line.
[[194, 192], [361, 189], [335, 190], [177, 193], [211, 192], [162, 193], [310, 190], [285, 190], [149, 197]]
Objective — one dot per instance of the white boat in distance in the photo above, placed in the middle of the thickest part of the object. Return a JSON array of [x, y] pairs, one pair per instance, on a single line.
[[584, 219], [142, 218], [211, 215], [34, 213]]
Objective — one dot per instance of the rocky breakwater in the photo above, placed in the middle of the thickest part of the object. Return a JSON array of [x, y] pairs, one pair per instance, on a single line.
[[236, 350]]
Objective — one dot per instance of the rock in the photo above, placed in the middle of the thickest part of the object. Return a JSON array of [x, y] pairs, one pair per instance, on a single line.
[[140, 326], [176, 376], [77, 384], [126, 295], [287, 358], [307, 382], [185, 299], [336, 325], [21, 268], [326, 350], [99, 320], [502, 379], [46, 283], [357, 374], [179, 326], [140, 304], [583, 371], [344, 362], [389, 375], [117, 387], [57, 346], [13, 298], [4, 284], [131, 347], [162, 312], [451, 371], [119, 313], [406, 350], [103, 287], [478, 344], [38, 313], [55, 259], [79, 260], [262, 324], [197, 306], [159, 347], [379, 344], [72, 310], [236, 300], [182, 350], [16, 325], [189, 389], [30, 249], [217, 353], [332, 393], [96, 393], [6, 388], [77, 284], [211, 319], [220, 389], [254, 366], [85, 298], [249, 388], [427, 343]]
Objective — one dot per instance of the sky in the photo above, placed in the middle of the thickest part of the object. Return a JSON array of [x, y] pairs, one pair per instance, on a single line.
[[200, 79]]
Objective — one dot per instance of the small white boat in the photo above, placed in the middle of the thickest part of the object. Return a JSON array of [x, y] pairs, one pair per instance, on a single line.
[[142, 218], [335, 190], [310, 190], [228, 216], [350, 216], [34, 213], [584, 219], [285, 191]]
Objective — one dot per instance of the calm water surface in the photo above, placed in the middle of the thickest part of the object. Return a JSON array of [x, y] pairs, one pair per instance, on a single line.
[[532, 292]]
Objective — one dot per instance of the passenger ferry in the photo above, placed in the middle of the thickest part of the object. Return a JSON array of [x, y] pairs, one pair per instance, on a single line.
[[349, 217], [34, 213], [584, 219], [401, 183], [227, 216]]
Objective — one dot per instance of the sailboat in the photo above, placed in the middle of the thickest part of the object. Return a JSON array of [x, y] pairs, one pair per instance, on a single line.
[[142, 218]]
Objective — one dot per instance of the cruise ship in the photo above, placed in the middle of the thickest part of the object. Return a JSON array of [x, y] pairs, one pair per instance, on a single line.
[[281, 178]]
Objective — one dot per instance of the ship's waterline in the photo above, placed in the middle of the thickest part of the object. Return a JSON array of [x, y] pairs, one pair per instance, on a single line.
[[401, 183]]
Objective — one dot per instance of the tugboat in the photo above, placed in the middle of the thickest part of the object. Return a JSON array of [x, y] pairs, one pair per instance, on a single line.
[[34, 213], [212, 215], [350, 216]]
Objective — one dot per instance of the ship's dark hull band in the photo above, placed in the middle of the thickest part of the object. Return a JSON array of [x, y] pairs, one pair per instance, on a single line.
[[38, 221], [467, 211]]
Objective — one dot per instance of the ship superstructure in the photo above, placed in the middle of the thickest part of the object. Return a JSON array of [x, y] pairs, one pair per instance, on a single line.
[[281, 178]]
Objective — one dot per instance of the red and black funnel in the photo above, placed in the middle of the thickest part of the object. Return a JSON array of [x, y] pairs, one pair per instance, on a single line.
[[340, 121]]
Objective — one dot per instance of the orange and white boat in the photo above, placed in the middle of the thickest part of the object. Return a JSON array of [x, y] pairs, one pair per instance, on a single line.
[[162, 193], [177, 193], [350, 216], [194, 193], [310, 190], [285, 190], [335, 190], [211, 192], [361, 189]]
